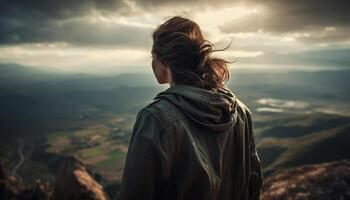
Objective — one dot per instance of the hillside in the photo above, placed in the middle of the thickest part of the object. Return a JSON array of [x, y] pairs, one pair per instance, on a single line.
[[312, 140], [329, 181]]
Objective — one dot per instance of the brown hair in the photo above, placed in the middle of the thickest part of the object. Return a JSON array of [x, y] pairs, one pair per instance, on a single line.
[[179, 43]]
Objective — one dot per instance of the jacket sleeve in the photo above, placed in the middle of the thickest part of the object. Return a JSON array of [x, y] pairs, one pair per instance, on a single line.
[[148, 160], [256, 176]]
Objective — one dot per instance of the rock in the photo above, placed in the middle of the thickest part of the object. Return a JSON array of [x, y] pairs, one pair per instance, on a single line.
[[3, 172], [75, 181], [11, 188], [328, 181]]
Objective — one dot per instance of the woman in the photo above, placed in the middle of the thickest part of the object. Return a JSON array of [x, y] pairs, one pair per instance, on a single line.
[[195, 140]]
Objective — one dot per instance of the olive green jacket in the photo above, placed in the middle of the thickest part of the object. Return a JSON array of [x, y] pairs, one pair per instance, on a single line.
[[195, 144]]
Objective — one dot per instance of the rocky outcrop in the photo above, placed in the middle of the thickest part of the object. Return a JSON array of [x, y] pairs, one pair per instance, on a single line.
[[75, 181], [11, 188], [327, 181]]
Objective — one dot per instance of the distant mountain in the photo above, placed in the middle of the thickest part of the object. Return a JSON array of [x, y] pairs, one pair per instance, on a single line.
[[305, 144], [296, 125], [8, 70], [19, 106], [18, 74], [328, 85], [120, 99], [329, 181]]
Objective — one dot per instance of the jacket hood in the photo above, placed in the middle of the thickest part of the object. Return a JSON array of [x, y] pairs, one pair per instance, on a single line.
[[216, 111]]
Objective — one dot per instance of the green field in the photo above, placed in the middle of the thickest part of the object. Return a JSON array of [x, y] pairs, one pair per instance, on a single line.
[[101, 145], [54, 136], [114, 161]]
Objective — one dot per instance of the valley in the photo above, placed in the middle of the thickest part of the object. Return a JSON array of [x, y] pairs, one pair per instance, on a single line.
[[47, 118]]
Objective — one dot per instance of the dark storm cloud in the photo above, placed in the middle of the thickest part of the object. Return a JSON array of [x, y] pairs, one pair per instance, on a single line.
[[30, 21], [55, 9], [152, 4], [284, 16], [298, 15], [77, 31], [25, 21]]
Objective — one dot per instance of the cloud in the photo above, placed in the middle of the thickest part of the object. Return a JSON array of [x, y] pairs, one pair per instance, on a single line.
[[25, 21], [79, 31], [296, 17], [75, 22], [244, 24], [66, 58], [54, 10], [301, 15], [280, 15], [260, 29], [156, 4]]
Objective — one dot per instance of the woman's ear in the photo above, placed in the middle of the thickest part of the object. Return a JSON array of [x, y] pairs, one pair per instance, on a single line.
[[161, 71]]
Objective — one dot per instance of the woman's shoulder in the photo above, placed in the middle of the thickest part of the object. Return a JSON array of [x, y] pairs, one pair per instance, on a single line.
[[243, 107], [150, 121], [164, 110], [157, 119], [243, 111]]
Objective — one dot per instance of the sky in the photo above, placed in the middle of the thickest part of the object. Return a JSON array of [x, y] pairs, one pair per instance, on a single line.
[[114, 36]]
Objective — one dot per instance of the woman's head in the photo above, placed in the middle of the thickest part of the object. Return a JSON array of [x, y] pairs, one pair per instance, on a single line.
[[181, 55]]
